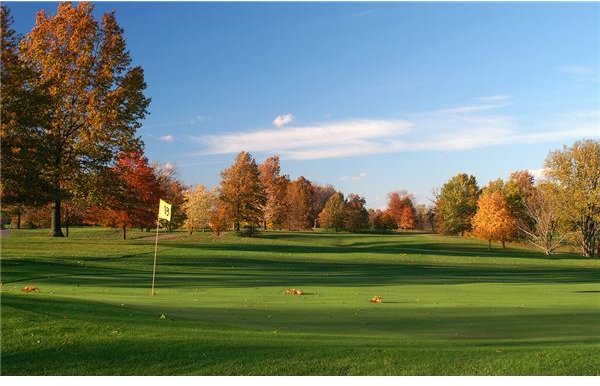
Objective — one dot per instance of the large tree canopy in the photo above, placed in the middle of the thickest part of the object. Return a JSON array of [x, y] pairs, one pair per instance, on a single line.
[[96, 99], [576, 171]]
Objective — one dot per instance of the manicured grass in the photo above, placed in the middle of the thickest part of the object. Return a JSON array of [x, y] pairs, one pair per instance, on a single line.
[[450, 307]]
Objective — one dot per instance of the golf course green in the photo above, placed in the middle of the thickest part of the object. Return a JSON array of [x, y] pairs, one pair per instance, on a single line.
[[449, 307]]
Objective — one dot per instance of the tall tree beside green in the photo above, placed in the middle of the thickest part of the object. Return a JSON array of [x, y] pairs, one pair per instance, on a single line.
[[242, 192], [97, 98], [493, 220], [401, 208], [22, 117], [275, 185], [544, 227], [135, 201], [199, 202], [172, 191], [333, 215], [456, 204], [299, 204], [576, 171], [382, 220], [321, 194], [357, 217]]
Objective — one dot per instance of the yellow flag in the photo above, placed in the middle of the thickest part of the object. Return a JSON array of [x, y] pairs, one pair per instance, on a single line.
[[164, 210]]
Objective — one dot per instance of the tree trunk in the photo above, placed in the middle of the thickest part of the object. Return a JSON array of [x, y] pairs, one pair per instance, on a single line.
[[503, 244], [55, 226], [67, 221], [18, 218], [588, 231], [124, 232], [490, 245]]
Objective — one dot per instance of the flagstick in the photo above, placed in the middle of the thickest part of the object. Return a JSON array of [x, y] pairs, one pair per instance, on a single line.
[[155, 249]]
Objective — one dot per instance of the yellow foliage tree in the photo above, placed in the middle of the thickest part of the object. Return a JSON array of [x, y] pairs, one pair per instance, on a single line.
[[493, 220]]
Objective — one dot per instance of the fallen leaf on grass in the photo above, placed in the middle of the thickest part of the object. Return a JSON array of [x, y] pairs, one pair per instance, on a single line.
[[30, 288], [377, 299], [293, 291]]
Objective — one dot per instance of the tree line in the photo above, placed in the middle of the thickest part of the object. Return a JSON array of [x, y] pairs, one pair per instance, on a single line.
[[72, 102]]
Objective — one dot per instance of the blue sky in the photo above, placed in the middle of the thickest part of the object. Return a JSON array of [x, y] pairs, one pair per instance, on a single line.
[[371, 97]]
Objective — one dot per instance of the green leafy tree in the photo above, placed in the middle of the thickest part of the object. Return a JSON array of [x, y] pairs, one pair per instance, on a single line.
[[357, 217], [456, 204], [333, 215]]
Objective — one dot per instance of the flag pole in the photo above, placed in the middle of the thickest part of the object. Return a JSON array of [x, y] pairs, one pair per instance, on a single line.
[[155, 249]]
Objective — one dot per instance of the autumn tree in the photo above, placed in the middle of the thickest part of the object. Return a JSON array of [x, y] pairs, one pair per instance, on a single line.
[[456, 204], [382, 220], [401, 208], [242, 192], [395, 206], [321, 194], [22, 115], [198, 205], [96, 100], [516, 191], [493, 220], [576, 171], [544, 218], [219, 219], [134, 203], [172, 191], [276, 187], [299, 204], [333, 215], [424, 217], [357, 217]]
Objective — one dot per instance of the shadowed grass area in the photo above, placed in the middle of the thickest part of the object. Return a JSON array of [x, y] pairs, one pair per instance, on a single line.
[[450, 306]]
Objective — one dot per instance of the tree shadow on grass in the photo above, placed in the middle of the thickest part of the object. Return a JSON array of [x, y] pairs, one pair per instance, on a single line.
[[232, 272], [91, 337]]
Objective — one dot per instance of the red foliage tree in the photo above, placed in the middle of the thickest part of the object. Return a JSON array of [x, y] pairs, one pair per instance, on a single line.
[[136, 195]]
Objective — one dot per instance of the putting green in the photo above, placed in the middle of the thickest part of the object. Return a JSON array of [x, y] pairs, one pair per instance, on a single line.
[[449, 306]]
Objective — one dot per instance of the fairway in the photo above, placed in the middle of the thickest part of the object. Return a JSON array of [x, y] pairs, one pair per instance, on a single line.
[[449, 306]]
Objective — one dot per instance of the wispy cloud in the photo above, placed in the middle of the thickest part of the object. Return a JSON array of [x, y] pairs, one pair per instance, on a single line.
[[356, 178], [475, 125], [581, 72], [326, 140], [167, 138], [282, 120]]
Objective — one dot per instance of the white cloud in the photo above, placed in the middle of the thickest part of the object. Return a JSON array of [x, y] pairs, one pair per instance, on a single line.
[[167, 138], [282, 120], [538, 174], [581, 72], [356, 178], [327, 140], [197, 119], [497, 98], [472, 126]]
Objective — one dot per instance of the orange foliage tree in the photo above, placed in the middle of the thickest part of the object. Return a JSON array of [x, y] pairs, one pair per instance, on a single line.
[[493, 220], [96, 101], [242, 192], [402, 209], [275, 186], [299, 204]]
